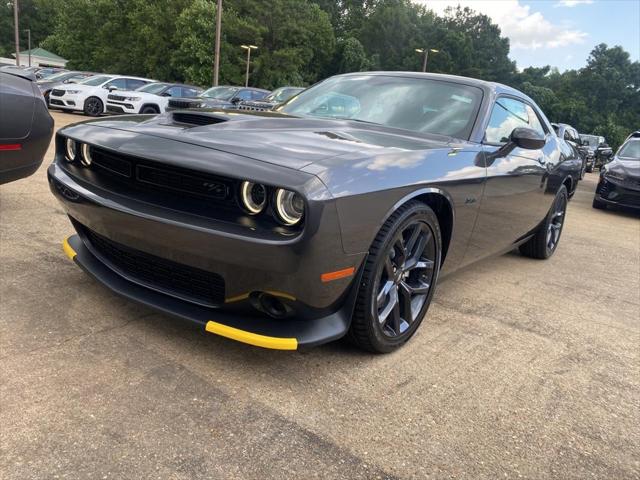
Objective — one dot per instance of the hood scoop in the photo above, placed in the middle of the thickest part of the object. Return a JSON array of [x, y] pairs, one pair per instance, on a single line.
[[197, 119]]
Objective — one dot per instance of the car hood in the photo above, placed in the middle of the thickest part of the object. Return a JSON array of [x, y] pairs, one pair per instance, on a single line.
[[277, 138], [133, 93], [209, 102], [78, 86], [627, 168]]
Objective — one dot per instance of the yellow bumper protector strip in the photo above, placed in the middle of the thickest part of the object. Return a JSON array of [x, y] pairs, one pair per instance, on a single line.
[[276, 343], [70, 252]]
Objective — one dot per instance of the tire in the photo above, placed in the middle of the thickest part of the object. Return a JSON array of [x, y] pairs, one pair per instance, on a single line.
[[380, 324], [598, 205], [590, 169], [545, 241], [149, 109], [582, 171], [93, 107]]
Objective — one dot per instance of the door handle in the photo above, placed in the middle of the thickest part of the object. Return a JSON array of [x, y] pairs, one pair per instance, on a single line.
[[541, 160]]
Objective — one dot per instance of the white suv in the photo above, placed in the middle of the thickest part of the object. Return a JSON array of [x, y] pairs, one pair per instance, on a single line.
[[90, 95], [150, 98]]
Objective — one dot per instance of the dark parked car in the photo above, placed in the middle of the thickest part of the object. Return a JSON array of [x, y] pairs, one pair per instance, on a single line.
[[218, 97], [58, 80], [333, 215], [598, 148], [275, 98], [572, 138], [47, 72], [25, 125], [619, 183]]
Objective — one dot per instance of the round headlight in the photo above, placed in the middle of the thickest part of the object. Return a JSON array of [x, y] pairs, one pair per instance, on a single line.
[[253, 196], [85, 159], [71, 149], [289, 206]]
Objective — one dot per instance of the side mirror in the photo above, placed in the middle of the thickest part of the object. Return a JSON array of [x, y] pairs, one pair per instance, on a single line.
[[527, 138], [235, 100], [111, 88]]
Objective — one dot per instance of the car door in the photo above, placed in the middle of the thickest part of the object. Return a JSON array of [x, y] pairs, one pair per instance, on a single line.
[[513, 201]]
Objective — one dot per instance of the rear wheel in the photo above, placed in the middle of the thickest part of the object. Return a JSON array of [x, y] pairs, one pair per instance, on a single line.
[[398, 280], [93, 106], [545, 241]]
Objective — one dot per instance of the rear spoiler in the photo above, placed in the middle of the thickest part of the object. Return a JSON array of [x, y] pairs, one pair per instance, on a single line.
[[19, 72]]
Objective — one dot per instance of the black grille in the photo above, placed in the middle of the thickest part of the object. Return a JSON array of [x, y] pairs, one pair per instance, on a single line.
[[181, 104], [57, 93], [196, 119], [117, 98], [176, 279], [53, 101]]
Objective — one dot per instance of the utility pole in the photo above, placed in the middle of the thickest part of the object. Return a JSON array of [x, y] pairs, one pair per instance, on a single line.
[[216, 60], [16, 29], [28, 30], [248, 48]]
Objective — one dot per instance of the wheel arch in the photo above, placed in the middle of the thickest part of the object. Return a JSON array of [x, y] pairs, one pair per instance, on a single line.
[[442, 205], [569, 183]]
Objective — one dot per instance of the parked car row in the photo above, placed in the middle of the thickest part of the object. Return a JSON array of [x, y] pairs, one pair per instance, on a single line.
[[619, 183]]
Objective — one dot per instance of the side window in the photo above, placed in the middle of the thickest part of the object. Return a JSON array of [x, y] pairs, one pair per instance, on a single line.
[[257, 95], [173, 92], [507, 114], [189, 92], [534, 121], [244, 95], [120, 84], [567, 135], [132, 83]]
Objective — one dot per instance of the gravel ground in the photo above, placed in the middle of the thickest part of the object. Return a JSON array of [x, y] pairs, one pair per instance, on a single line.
[[523, 369]]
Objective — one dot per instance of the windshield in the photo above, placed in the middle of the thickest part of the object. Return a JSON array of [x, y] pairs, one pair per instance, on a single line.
[[418, 104], [60, 76], [95, 81], [152, 87], [630, 150], [220, 93], [591, 140], [282, 94]]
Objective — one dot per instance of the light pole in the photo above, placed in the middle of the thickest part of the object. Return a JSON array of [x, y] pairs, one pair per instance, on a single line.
[[426, 55], [17, 31], [248, 48], [28, 30], [216, 60]]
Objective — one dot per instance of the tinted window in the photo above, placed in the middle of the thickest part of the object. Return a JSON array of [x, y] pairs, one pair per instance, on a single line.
[[244, 95], [119, 83], [173, 92], [189, 92], [95, 81], [257, 95], [418, 104], [132, 84], [507, 114]]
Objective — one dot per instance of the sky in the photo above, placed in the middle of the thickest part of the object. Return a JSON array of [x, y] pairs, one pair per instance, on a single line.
[[560, 33]]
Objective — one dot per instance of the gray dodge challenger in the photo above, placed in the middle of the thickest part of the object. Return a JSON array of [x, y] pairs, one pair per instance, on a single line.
[[334, 215], [25, 125]]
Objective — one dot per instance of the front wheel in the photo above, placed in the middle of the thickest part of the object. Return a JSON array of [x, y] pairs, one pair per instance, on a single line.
[[545, 241], [399, 279], [149, 109], [93, 107]]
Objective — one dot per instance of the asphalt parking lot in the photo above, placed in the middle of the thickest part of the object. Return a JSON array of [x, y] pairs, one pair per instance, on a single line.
[[523, 369]]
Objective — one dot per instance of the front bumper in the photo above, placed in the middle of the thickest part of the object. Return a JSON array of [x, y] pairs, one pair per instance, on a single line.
[[618, 194], [67, 102], [117, 107], [282, 334]]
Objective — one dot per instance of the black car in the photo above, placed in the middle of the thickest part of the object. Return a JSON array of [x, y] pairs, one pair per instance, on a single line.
[[597, 148], [58, 80], [572, 138], [25, 125], [275, 98], [218, 97], [334, 215], [619, 183]]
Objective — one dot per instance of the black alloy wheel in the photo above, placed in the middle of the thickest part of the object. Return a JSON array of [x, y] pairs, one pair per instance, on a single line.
[[93, 106], [149, 109], [399, 279], [545, 241]]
